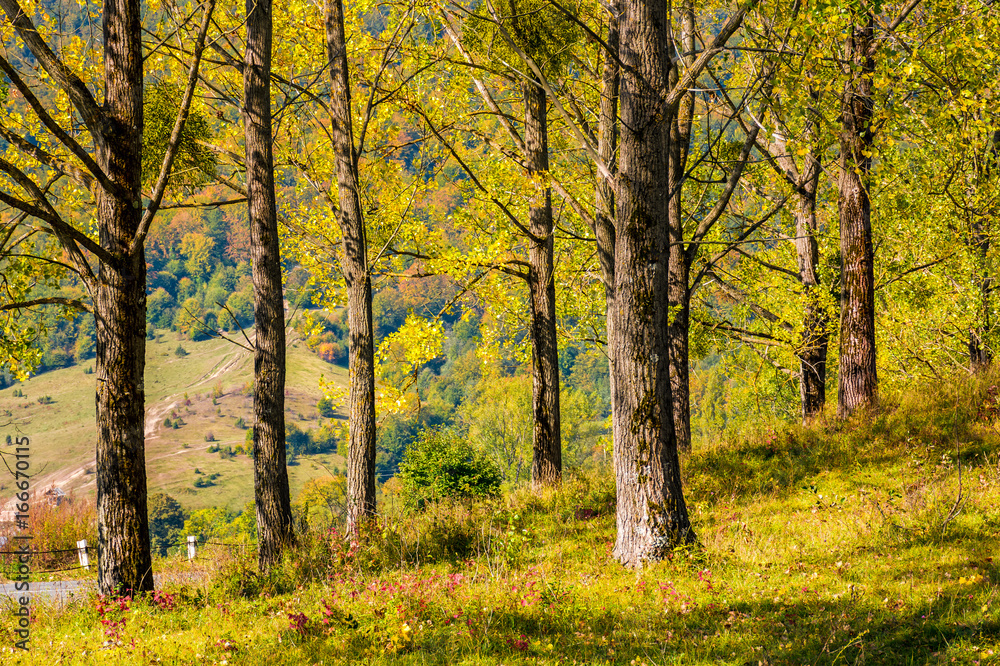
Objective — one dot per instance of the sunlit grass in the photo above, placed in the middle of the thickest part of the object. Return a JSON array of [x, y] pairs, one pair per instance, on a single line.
[[872, 542]]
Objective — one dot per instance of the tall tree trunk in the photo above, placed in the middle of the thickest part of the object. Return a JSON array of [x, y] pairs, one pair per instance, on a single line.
[[274, 514], [679, 327], [651, 516], [546, 461], [678, 334], [607, 147], [815, 341], [980, 354], [124, 562], [858, 381], [980, 349], [361, 438]]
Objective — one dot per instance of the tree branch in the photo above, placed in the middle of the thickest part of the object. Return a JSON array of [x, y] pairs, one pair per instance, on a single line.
[[84, 102], [472, 176], [174, 144], [67, 234], [49, 300], [73, 172], [52, 126]]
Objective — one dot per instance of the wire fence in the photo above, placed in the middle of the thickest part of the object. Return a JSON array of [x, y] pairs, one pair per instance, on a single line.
[[83, 552]]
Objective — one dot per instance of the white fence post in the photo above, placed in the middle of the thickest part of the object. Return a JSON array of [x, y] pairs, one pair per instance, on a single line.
[[81, 550], [192, 540]]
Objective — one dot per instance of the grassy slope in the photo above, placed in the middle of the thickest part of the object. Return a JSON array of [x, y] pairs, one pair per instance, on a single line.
[[63, 433], [830, 545]]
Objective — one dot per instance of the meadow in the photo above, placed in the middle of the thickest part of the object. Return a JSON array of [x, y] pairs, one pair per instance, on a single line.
[[196, 400], [867, 542]]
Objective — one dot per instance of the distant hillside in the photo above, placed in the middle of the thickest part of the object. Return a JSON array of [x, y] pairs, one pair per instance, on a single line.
[[191, 398]]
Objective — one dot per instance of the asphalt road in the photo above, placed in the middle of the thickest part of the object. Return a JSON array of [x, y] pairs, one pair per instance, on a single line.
[[64, 591], [60, 591]]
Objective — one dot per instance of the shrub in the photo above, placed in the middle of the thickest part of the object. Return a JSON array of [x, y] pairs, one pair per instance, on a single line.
[[166, 521], [180, 351], [441, 463], [325, 407]]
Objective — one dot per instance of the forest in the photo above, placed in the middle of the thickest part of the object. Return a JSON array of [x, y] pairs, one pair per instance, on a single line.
[[563, 250]]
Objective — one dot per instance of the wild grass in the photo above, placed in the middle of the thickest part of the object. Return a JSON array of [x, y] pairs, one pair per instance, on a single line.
[[867, 542]]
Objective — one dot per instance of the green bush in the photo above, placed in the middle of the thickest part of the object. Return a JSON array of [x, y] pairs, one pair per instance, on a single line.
[[166, 521], [441, 463], [325, 407]]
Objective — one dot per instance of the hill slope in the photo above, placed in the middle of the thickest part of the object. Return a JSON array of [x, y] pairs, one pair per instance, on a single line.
[[207, 390]]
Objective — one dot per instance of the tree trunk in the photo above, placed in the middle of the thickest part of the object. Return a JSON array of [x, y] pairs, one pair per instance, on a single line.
[[124, 562], [546, 461], [980, 355], [678, 332], [815, 340], [858, 381], [274, 514], [361, 439], [652, 517], [980, 348], [679, 327], [607, 147]]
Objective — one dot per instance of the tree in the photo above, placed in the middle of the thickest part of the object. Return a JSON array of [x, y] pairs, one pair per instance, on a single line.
[[324, 497], [111, 174], [800, 137], [858, 376], [166, 522], [442, 464], [272, 500], [354, 261], [652, 516], [857, 373], [539, 36]]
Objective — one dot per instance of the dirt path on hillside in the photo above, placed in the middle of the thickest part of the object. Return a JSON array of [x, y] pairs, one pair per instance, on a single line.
[[154, 417], [220, 369]]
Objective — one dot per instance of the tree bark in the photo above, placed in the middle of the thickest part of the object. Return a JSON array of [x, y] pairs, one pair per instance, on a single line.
[[651, 515], [604, 213], [815, 341], [361, 438], [980, 354], [980, 348], [858, 380], [124, 562], [607, 148], [679, 327], [546, 461], [274, 514]]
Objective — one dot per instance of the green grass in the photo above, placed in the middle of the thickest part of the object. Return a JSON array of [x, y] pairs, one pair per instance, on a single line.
[[872, 542], [63, 433]]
